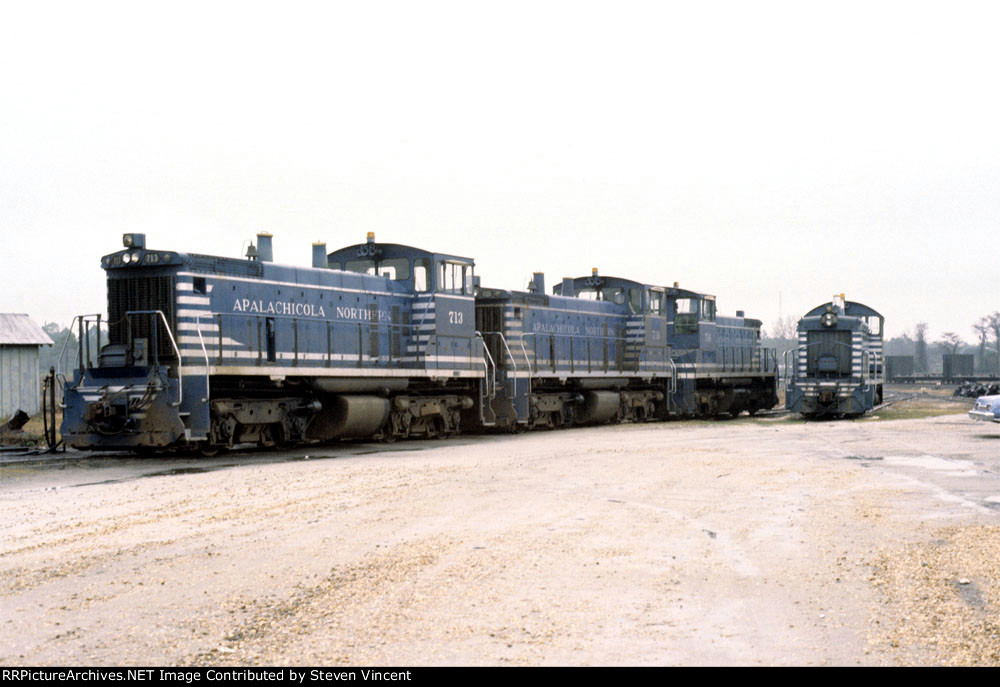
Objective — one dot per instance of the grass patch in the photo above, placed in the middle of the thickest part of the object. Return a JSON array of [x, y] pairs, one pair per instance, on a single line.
[[31, 434], [919, 407]]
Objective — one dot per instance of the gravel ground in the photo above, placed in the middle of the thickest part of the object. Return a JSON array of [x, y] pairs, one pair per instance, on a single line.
[[751, 542]]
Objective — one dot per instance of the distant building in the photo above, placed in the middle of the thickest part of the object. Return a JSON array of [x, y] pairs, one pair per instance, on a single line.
[[898, 366], [20, 379]]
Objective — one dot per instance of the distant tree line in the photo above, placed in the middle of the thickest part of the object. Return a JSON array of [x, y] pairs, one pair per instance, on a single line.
[[66, 343]]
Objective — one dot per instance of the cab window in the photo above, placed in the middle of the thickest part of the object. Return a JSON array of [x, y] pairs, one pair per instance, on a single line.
[[655, 302], [421, 275], [635, 301], [397, 269], [708, 310], [360, 266], [455, 277], [686, 316]]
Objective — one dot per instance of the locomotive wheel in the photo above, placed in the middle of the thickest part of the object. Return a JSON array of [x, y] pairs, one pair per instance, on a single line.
[[276, 438], [206, 450], [439, 429]]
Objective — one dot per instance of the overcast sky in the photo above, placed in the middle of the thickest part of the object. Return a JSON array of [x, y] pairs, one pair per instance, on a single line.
[[770, 153]]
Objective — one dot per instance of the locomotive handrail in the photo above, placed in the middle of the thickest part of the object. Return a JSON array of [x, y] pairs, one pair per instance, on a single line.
[[489, 394], [791, 372], [79, 343], [488, 356], [208, 386], [62, 351], [513, 363], [527, 362], [59, 360], [876, 360], [170, 335], [798, 349]]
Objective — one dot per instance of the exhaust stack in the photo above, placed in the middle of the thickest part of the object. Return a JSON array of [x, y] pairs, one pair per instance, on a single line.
[[319, 255], [265, 252]]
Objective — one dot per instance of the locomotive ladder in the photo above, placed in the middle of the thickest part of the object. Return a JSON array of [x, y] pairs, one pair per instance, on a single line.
[[486, 399]]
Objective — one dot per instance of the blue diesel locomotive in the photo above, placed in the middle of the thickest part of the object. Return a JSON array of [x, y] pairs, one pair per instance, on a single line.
[[611, 349], [837, 368], [206, 352], [388, 341]]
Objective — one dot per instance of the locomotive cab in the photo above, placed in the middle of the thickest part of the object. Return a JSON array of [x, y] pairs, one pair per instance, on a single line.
[[722, 367]]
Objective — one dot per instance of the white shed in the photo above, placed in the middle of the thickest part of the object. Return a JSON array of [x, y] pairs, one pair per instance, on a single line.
[[20, 378]]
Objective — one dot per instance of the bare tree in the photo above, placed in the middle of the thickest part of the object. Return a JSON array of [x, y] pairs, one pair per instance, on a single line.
[[994, 323], [920, 347], [982, 330], [950, 342], [784, 328]]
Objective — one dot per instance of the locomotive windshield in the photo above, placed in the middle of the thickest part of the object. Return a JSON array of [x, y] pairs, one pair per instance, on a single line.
[[684, 306], [701, 308], [616, 295]]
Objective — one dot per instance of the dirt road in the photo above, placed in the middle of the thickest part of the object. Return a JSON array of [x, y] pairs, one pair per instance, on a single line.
[[742, 542]]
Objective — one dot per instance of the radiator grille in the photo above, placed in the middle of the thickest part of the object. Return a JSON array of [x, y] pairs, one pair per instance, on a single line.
[[373, 344], [141, 293], [823, 344]]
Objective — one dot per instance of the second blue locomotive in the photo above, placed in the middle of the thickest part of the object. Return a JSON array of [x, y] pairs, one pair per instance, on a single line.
[[611, 349]]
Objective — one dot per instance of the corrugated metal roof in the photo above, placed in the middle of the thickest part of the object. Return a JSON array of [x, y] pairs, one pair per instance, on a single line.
[[19, 330]]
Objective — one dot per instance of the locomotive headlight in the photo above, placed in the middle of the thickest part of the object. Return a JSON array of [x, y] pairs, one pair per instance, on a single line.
[[135, 257], [829, 319], [126, 258]]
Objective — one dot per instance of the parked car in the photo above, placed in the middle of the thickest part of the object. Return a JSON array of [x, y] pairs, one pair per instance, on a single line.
[[987, 409]]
